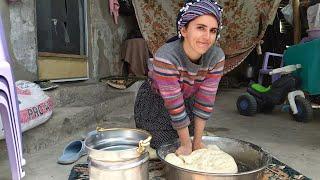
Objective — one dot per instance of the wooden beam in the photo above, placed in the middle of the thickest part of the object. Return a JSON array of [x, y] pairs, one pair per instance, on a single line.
[[49, 54], [296, 21]]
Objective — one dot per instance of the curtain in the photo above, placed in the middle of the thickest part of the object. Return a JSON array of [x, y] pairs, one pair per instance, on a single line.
[[244, 22]]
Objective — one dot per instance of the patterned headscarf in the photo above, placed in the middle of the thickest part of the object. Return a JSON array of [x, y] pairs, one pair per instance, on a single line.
[[195, 8]]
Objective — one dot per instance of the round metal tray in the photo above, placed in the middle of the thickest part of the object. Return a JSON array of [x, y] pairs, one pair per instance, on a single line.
[[250, 158]]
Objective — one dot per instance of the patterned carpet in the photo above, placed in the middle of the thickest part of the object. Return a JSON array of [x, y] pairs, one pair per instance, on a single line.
[[275, 171]]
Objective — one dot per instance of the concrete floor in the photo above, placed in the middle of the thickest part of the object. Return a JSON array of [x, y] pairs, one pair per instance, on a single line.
[[296, 144]]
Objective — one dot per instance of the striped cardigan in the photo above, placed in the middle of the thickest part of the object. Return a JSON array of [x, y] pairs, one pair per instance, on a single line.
[[175, 78]]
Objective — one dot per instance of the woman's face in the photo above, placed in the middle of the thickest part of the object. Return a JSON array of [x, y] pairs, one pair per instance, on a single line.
[[199, 35]]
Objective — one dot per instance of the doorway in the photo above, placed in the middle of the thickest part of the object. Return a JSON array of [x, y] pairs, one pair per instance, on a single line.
[[62, 39]]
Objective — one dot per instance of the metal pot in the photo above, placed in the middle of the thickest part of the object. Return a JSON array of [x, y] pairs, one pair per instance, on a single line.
[[250, 158], [117, 144], [118, 153], [136, 169]]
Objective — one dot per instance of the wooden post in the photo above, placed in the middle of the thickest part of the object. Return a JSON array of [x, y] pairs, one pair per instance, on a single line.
[[296, 21]]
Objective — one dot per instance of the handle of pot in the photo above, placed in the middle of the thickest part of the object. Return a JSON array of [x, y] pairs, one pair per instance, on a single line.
[[143, 144], [100, 129]]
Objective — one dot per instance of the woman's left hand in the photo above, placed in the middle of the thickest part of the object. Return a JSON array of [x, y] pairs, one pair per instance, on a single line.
[[198, 145], [184, 150]]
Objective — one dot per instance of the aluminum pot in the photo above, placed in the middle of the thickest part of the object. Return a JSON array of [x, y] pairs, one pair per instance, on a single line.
[[250, 158], [135, 169], [117, 144]]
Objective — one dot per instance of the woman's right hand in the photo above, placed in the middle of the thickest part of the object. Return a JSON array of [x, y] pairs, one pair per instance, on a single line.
[[184, 150], [185, 142]]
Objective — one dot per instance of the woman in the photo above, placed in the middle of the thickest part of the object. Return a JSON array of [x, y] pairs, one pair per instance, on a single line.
[[183, 79]]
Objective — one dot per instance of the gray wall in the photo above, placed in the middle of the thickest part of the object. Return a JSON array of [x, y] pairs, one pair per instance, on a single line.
[[23, 39], [18, 20], [4, 14], [105, 38]]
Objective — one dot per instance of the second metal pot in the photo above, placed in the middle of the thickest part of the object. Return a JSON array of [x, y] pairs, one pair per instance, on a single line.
[[117, 144]]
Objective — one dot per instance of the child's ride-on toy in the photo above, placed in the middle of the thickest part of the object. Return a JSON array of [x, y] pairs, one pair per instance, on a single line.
[[262, 99]]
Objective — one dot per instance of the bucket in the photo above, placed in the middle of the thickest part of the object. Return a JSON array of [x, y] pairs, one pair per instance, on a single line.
[[118, 153]]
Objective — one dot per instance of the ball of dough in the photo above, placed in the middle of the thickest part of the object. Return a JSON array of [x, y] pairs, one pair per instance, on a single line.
[[211, 160], [172, 158]]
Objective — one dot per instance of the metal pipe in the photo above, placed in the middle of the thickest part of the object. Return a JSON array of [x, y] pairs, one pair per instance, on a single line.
[[296, 21]]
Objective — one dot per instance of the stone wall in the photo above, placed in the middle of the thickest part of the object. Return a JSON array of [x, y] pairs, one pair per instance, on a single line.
[[105, 39], [23, 38]]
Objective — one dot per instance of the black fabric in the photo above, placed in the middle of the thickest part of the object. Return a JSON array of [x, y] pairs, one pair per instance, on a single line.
[[313, 2], [174, 38], [150, 114], [126, 8]]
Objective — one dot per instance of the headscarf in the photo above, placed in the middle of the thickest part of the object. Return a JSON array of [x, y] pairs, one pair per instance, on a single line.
[[194, 8]]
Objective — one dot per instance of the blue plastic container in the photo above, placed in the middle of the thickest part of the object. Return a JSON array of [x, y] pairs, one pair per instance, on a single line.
[[308, 55]]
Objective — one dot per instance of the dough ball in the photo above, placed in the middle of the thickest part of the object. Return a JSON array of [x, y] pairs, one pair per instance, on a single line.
[[211, 160], [172, 158]]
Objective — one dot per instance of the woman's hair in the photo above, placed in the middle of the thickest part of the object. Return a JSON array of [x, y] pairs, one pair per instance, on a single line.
[[176, 37], [195, 8]]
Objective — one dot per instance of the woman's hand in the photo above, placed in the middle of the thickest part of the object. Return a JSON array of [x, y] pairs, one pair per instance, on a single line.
[[198, 145], [199, 125], [184, 149], [185, 142]]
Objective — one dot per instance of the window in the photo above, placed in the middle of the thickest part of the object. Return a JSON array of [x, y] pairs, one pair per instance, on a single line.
[[61, 26]]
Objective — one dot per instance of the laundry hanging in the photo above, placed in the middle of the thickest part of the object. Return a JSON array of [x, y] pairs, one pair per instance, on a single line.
[[114, 9]]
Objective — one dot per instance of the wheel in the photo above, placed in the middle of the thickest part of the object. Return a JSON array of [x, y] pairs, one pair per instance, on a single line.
[[247, 105], [305, 112]]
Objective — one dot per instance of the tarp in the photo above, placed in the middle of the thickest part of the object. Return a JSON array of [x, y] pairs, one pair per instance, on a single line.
[[244, 22]]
